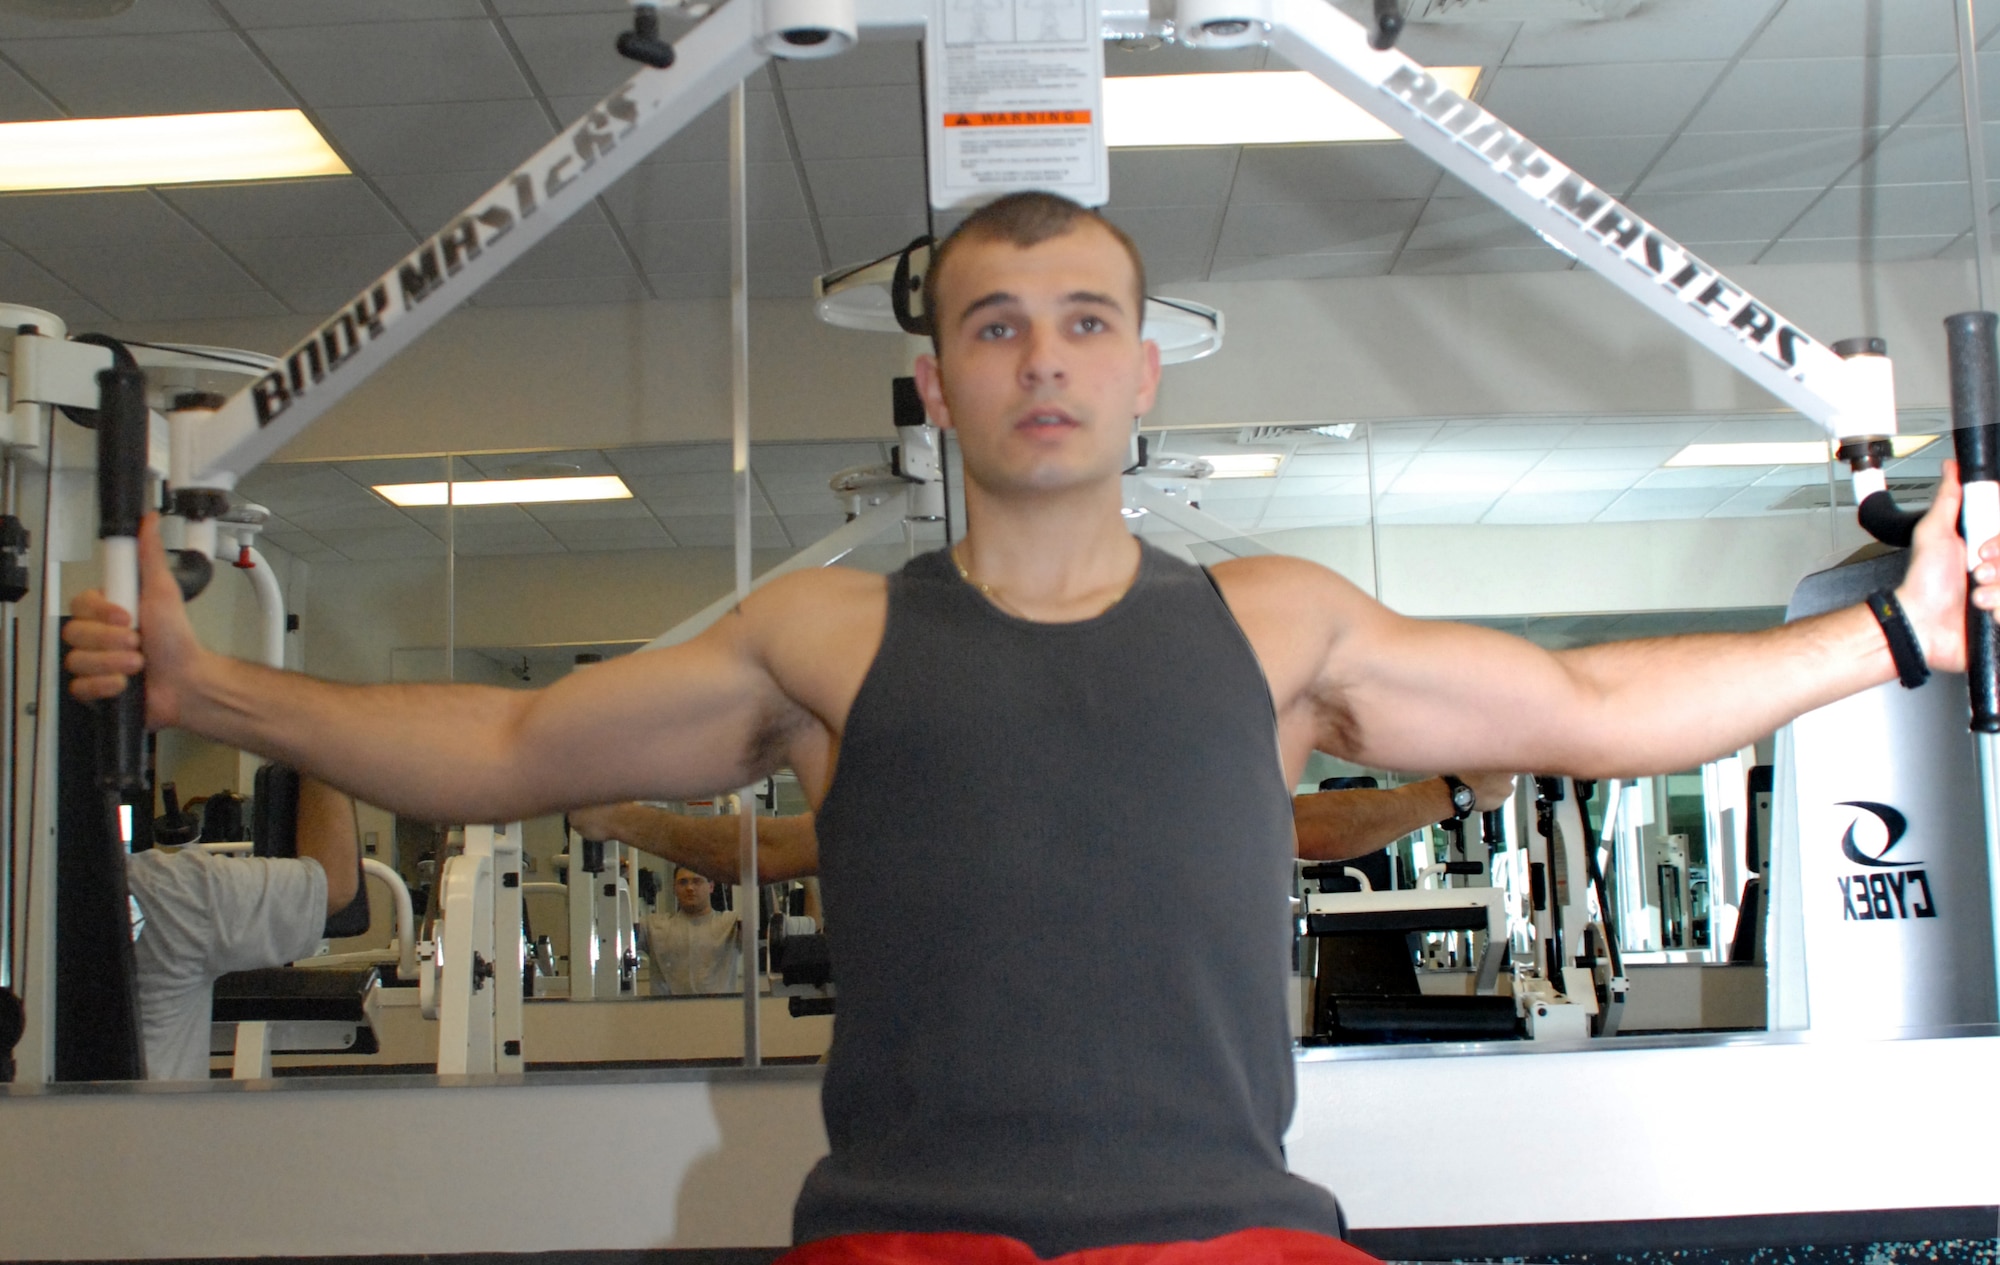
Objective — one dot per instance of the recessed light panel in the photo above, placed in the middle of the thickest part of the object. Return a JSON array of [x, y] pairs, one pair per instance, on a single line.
[[589, 487], [163, 149], [1806, 452], [1251, 107], [1244, 465]]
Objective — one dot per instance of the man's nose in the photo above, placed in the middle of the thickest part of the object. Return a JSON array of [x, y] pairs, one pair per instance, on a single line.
[[1042, 358]]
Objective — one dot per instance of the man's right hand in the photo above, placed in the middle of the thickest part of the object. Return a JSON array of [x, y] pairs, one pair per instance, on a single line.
[[105, 651], [1489, 790], [597, 823]]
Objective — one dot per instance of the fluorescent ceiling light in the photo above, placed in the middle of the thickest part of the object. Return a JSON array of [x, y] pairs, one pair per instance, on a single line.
[[588, 487], [1245, 465], [163, 149], [1806, 452], [1249, 107]]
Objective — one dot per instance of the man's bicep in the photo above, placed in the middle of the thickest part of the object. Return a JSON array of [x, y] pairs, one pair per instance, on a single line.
[[695, 718], [1436, 696]]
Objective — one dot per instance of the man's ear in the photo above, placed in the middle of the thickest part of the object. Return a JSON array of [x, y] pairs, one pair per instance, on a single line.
[[930, 386], [1149, 388]]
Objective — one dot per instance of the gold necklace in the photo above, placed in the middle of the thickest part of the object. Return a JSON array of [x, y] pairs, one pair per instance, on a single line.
[[985, 589]]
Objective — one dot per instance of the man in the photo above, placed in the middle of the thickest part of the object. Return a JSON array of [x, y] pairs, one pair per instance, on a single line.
[[1098, 1055], [1330, 825], [693, 948], [203, 915]]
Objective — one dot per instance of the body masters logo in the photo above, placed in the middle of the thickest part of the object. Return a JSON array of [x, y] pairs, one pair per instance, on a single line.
[[1888, 887]]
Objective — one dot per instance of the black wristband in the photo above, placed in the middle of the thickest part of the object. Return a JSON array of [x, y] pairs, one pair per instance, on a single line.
[[1453, 785], [1904, 647]]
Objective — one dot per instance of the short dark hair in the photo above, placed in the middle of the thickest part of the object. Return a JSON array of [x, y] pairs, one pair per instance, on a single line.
[[1024, 219]]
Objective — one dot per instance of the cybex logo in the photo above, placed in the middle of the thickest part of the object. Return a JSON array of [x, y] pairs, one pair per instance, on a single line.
[[1896, 889]]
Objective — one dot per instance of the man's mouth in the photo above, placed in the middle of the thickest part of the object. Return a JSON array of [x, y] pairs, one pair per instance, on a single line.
[[1045, 419]]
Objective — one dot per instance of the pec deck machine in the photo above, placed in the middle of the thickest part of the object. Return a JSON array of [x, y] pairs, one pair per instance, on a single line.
[[189, 454]]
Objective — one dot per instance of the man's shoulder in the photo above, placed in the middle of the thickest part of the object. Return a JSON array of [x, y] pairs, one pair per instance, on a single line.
[[1274, 577], [820, 590]]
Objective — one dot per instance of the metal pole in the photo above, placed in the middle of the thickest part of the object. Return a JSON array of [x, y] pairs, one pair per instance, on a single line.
[[1975, 410], [1374, 526], [739, 464], [450, 574], [1975, 147]]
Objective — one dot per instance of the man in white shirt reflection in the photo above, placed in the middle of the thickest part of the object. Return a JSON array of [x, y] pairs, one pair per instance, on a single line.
[[692, 948]]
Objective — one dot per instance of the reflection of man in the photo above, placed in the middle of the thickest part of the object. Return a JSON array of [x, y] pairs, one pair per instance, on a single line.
[[1330, 826], [202, 915], [692, 947], [1097, 737]]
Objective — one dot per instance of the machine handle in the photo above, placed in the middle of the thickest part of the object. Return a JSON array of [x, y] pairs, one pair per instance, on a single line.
[[1975, 408], [121, 503]]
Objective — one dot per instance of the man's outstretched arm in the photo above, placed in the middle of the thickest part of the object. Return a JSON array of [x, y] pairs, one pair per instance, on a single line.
[[1400, 693], [679, 721], [1342, 825], [786, 846]]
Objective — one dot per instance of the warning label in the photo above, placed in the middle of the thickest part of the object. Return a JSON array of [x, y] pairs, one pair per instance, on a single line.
[[1020, 118]]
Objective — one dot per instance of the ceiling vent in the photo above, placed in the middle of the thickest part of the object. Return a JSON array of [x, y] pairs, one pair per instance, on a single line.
[[1297, 430], [1517, 10], [1813, 497]]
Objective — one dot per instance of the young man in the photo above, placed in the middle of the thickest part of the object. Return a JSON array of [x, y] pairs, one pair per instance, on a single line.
[[693, 948], [1098, 1055], [1330, 825]]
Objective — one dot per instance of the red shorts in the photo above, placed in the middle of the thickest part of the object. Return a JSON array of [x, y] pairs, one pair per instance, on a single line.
[[1245, 1247]]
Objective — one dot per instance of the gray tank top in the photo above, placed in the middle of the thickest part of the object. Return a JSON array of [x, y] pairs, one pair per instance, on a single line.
[[1056, 860]]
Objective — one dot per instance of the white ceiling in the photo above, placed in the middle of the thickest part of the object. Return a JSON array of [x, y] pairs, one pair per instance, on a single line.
[[1508, 471], [1772, 131]]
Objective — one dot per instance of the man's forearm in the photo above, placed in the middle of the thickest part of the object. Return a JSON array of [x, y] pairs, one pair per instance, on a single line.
[[710, 846], [326, 834], [1342, 825], [435, 752]]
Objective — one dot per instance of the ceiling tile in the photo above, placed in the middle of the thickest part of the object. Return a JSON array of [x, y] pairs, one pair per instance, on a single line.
[[718, 531], [1167, 270], [1540, 481], [868, 186], [1708, 161], [377, 544], [460, 136], [703, 246], [1736, 215], [1429, 507], [21, 100], [302, 486], [1427, 263], [589, 535], [1332, 173], [1466, 224], [1914, 154], [37, 221], [807, 528], [1610, 162], [488, 539], [1858, 28], [881, 122], [1553, 102], [430, 199], [1728, 254], [690, 285], [1460, 473], [706, 137], [576, 56], [394, 63], [319, 273], [1650, 505], [1946, 104], [1171, 176], [1702, 477], [1905, 210], [1305, 267], [700, 191], [1607, 435], [1299, 228], [367, 474], [112, 271], [1179, 59], [582, 247], [262, 13], [1169, 230], [230, 306], [1637, 458], [347, 516], [341, 206], [155, 16], [630, 510], [1661, 30], [184, 73], [1551, 507], [1836, 92], [871, 63], [1824, 250], [510, 291], [853, 239], [301, 545], [26, 282], [1504, 436]]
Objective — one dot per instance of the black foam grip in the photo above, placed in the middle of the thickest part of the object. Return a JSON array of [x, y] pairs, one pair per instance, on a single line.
[[1886, 521], [1975, 393], [121, 450]]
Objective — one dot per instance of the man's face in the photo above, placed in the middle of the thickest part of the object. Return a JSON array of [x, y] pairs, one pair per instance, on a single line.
[[691, 892], [1040, 368]]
